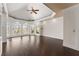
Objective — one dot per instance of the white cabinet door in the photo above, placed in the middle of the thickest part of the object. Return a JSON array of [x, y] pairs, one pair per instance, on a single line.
[[77, 28], [69, 29]]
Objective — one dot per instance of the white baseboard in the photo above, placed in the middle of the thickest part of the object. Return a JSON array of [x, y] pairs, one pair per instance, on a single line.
[[53, 37]]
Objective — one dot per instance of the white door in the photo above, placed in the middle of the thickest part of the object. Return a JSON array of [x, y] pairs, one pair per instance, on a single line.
[[69, 28]]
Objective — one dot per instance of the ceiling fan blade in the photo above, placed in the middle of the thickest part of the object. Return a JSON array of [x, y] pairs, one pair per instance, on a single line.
[[31, 12], [36, 10]]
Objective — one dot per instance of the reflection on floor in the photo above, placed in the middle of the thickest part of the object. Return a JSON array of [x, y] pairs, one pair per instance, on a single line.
[[36, 46]]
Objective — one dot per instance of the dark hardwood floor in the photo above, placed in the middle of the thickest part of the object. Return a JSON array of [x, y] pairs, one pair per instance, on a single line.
[[39, 46]]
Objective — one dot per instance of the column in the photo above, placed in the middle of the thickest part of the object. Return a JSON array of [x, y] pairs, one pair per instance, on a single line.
[[4, 18], [0, 25], [21, 30], [29, 29], [4, 27], [41, 28]]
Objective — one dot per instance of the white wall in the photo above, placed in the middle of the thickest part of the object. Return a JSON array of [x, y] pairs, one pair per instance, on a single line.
[[71, 27], [54, 28], [0, 25], [0, 32]]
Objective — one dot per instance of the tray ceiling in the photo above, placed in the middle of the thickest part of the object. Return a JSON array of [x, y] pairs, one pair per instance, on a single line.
[[19, 10]]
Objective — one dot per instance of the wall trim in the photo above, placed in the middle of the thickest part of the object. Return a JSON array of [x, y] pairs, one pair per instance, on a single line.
[[51, 37]]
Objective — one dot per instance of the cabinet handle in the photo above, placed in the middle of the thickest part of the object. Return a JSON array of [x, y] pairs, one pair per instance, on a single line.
[[74, 30]]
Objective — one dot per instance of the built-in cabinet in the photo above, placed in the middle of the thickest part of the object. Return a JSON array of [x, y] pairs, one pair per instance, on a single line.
[[71, 27]]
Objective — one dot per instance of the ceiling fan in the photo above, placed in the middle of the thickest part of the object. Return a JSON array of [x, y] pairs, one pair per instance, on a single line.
[[33, 10]]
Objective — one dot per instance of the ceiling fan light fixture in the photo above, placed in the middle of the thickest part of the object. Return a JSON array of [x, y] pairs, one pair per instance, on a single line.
[[33, 10]]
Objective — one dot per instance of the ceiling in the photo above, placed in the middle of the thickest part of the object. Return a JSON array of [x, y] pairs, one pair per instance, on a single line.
[[19, 10], [58, 7]]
